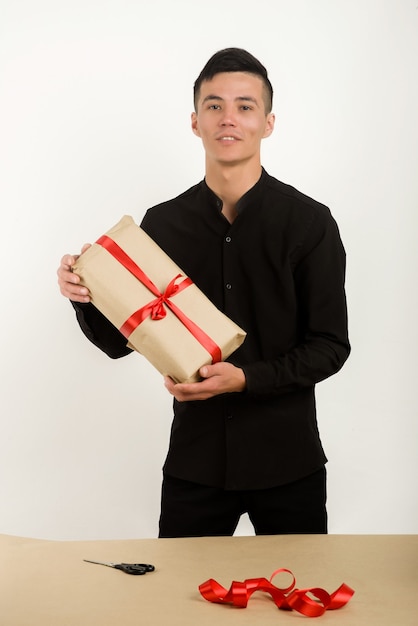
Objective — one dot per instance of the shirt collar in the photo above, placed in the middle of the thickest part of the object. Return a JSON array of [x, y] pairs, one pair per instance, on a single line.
[[248, 198]]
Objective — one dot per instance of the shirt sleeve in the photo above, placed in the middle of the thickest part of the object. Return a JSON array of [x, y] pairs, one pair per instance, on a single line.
[[319, 264], [100, 331]]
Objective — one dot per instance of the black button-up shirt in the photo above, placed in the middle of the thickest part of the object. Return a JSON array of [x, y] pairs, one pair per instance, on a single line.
[[277, 271]]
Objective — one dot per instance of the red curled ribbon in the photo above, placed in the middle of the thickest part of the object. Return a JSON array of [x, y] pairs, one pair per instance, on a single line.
[[288, 598], [155, 309]]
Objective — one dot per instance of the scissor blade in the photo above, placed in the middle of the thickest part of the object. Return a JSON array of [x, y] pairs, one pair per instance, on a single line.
[[100, 563]]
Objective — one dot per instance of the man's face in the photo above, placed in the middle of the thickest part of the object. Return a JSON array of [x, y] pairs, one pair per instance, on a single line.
[[231, 119]]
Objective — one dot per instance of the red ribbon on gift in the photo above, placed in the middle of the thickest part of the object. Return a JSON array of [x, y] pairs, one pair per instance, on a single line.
[[156, 309], [288, 598]]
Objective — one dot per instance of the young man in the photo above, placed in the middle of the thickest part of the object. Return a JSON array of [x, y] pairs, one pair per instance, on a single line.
[[245, 438]]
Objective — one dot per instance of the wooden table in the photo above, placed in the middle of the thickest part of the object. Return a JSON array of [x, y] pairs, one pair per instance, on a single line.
[[46, 583]]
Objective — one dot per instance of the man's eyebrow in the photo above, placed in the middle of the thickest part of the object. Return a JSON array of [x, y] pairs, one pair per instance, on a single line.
[[247, 99], [211, 97]]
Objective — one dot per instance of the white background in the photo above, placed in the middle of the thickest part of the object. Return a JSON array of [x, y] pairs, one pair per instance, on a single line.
[[95, 99]]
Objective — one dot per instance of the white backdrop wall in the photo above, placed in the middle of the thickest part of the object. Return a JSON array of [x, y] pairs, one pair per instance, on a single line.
[[95, 99]]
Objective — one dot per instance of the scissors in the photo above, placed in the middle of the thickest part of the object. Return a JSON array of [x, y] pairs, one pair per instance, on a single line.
[[137, 569]]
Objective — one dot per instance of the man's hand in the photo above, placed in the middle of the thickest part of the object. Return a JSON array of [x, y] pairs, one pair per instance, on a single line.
[[69, 283], [219, 378]]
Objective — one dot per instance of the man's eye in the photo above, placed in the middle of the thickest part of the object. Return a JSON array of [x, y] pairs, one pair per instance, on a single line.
[[214, 107]]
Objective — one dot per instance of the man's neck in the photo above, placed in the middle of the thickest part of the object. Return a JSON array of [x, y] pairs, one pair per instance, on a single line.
[[230, 183]]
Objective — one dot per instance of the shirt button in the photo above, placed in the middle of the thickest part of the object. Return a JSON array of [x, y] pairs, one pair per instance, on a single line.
[[228, 286], [228, 239], [229, 417]]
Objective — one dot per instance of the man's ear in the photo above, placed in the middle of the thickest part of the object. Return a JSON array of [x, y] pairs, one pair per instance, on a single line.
[[195, 127], [271, 118]]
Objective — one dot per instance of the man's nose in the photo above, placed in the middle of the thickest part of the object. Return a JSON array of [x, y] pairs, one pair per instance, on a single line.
[[228, 117]]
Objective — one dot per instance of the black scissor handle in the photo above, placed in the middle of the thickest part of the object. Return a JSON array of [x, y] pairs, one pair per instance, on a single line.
[[147, 566], [136, 569]]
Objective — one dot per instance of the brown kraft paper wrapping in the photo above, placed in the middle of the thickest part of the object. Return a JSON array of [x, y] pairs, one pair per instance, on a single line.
[[117, 293]]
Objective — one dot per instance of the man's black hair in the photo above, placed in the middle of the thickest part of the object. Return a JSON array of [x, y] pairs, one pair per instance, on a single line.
[[234, 60]]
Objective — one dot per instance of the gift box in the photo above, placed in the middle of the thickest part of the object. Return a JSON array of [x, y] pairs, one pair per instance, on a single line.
[[160, 311]]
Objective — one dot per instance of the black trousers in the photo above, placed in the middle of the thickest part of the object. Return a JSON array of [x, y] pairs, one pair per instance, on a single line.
[[192, 510]]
